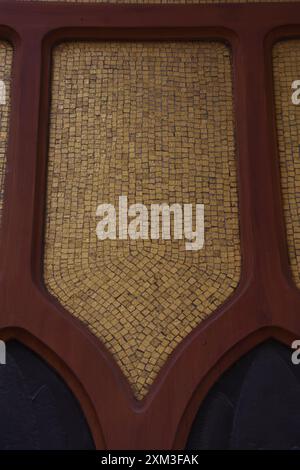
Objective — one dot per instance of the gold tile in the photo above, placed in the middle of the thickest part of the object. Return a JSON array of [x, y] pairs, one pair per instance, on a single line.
[[286, 69], [141, 298], [6, 57]]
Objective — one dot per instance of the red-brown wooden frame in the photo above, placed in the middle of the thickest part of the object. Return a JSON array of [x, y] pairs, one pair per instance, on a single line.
[[266, 303]]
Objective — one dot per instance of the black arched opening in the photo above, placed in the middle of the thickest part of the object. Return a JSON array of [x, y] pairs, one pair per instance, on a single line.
[[37, 410], [254, 405]]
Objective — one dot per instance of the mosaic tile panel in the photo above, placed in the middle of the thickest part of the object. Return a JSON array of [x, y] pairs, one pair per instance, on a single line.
[[6, 57], [286, 69], [153, 121]]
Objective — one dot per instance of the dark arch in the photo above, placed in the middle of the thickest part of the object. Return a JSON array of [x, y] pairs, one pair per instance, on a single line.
[[37, 409], [254, 405]]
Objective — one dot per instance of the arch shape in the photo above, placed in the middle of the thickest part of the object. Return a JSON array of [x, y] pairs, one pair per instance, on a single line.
[[49, 382], [232, 357]]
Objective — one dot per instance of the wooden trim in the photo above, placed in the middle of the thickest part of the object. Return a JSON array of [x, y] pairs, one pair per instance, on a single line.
[[266, 301]]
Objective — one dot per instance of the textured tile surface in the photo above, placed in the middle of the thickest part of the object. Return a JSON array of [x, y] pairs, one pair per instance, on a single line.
[[6, 56], [153, 121], [286, 65]]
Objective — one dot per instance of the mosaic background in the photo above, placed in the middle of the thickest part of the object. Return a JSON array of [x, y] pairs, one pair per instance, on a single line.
[[6, 57], [153, 121], [286, 65]]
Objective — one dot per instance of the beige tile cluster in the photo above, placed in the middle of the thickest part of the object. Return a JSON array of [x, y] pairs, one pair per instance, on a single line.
[[153, 121], [6, 57], [168, 1], [286, 69]]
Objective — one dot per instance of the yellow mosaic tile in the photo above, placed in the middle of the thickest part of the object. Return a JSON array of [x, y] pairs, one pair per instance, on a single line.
[[153, 121], [6, 57], [286, 69]]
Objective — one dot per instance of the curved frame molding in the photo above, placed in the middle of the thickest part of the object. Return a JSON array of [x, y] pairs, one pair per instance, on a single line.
[[23, 337], [266, 302]]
